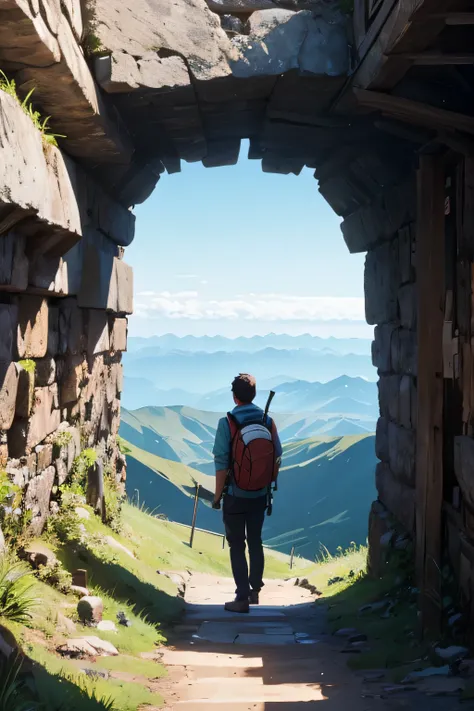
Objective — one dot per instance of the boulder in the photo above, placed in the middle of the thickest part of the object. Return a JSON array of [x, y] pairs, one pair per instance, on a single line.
[[87, 647], [37, 498], [90, 610], [33, 327], [102, 648], [9, 376]]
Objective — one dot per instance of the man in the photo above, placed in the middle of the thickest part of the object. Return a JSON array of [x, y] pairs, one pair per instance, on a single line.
[[247, 454]]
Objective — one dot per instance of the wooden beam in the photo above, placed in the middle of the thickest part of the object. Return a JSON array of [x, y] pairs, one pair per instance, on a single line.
[[439, 59], [429, 436], [415, 112]]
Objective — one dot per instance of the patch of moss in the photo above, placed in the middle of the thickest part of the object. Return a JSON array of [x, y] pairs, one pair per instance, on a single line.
[[28, 365]]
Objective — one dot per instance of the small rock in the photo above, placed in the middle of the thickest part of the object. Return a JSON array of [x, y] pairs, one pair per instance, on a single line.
[[90, 609], [96, 673], [375, 606], [82, 513], [79, 578], [37, 555], [123, 619], [79, 591], [357, 638], [65, 624], [426, 673], [76, 649], [451, 653], [454, 619], [346, 632], [107, 626], [232, 25], [101, 647], [442, 686]]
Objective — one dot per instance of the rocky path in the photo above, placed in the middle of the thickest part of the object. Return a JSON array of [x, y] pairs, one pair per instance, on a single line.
[[277, 657]]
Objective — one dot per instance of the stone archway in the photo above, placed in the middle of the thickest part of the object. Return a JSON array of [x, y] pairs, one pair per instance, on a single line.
[[134, 88]]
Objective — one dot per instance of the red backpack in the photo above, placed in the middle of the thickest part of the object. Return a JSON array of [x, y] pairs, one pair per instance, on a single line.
[[252, 454]]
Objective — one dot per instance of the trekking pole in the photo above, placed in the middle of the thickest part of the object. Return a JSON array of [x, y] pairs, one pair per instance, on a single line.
[[193, 526], [291, 558]]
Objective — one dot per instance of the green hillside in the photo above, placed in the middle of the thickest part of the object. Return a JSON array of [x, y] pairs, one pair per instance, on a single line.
[[326, 486]]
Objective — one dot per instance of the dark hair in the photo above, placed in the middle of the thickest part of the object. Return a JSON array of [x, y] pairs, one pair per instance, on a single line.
[[244, 387]]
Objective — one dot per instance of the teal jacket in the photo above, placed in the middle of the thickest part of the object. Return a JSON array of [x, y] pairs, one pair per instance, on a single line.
[[222, 444]]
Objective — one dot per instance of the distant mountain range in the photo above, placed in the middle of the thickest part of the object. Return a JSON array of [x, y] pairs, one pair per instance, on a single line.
[[204, 372], [350, 397], [325, 487], [212, 344]]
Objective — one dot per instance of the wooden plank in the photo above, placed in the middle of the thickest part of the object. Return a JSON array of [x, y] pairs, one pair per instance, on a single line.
[[429, 457], [414, 112]]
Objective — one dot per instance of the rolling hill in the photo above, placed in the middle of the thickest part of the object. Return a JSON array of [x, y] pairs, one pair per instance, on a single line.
[[326, 486]]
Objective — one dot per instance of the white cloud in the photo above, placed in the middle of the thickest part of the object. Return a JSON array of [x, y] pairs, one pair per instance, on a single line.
[[250, 307]]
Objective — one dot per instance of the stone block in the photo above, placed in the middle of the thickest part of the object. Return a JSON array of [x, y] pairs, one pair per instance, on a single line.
[[381, 282], [37, 498], [118, 334], [46, 416], [72, 375], [17, 438], [464, 466], [45, 372], [33, 327], [73, 9], [396, 496], [95, 487], [402, 453], [405, 251], [8, 329], [71, 337], [381, 440], [404, 351], [407, 304], [53, 331], [67, 443], [117, 73], [25, 393], [389, 389], [222, 152], [379, 526], [407, 415], [8, 393], [382, 347], [97, 330], [120, 297], [44, 456], [13, 261]]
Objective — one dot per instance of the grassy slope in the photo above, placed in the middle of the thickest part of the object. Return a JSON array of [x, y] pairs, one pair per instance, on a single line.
[[126, 584], [325, 489]]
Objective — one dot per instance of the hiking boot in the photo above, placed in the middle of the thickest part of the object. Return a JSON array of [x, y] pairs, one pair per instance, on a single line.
[[253, 598], [237, 606]]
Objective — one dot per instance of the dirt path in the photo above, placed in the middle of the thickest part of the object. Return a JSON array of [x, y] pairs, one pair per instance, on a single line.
[[277, 657]]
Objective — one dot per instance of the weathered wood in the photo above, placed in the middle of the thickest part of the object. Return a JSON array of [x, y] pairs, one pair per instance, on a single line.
[[429, 443], [414, 111]]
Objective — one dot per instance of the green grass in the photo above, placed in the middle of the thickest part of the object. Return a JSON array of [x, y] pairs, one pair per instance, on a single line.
[[140, 667]]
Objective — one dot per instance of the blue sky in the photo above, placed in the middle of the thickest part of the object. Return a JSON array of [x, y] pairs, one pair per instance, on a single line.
[[235, 251]]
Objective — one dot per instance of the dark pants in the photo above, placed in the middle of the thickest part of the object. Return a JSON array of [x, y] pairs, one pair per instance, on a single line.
[[243, 520]]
